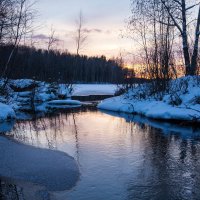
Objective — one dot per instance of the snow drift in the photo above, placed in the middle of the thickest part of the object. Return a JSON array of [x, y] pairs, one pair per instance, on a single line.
[[182, 102]]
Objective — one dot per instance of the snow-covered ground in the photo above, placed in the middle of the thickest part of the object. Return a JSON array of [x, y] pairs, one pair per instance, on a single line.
[[181, 103], [27, 95], [54, 170], [94, 89]]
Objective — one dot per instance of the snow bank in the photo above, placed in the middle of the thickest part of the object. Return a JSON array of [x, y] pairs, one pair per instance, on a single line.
[[188, 108], [6, 112], [54, 170], [21, 85]]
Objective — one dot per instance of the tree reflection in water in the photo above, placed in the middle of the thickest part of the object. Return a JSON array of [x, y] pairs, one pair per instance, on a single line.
[[10, 191], [132, 156]]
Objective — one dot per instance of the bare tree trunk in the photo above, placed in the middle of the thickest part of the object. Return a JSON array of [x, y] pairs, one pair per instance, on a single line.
[[196, 47], [185, 40], [17, 35]]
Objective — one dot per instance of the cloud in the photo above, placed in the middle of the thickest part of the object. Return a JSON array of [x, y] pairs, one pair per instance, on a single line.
[[41, 37], [89, 31], [45, 37], [95, 30]]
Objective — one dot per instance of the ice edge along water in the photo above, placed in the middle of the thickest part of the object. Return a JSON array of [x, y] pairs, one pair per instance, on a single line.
[[188, 110], [53, 170]]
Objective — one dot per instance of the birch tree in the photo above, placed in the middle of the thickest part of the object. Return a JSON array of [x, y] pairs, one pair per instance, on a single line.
[[180, 14]]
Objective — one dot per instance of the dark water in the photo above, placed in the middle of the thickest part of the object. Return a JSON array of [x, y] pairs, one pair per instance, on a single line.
[[121, 157]]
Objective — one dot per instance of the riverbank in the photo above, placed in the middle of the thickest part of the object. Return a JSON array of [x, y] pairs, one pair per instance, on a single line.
[[36, 97], [180, 103]]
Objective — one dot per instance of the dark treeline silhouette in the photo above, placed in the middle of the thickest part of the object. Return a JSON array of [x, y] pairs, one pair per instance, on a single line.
[[53, 65]]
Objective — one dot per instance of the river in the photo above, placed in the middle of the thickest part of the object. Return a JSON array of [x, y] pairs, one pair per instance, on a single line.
[[120, 156]]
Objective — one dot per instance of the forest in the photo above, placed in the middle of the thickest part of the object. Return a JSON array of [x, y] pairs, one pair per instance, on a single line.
[[20, 58], [59, 66]]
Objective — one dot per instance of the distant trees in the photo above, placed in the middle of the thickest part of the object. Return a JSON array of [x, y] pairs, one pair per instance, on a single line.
[[32, 63], [158, 23]]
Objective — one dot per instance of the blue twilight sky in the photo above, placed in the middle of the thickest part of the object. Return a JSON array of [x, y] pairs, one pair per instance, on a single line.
[[104, 20]]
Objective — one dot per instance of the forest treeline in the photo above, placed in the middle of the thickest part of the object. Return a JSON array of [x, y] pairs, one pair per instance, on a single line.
[[44, 65], [17, 19]]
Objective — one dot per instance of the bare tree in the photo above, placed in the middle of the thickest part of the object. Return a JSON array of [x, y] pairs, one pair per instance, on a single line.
[[173, 17], [150, 27], [178, 11], [52, 40], [81, 34], [16, 23]]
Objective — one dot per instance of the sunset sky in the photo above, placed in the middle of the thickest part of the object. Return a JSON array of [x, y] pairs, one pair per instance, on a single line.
[[104, 20]]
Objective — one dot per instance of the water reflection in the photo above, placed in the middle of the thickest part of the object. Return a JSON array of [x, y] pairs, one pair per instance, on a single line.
[[21, 191], [174, 129], [121, 156], [8, 191]]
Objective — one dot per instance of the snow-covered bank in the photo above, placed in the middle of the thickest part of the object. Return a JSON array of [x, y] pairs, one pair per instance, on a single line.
[[56, 171], [182, 102], [30, 96], [6, 112]]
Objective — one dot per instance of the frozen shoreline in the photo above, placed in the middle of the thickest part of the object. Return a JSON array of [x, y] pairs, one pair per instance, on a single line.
[[26, 95], [54, 170], [187, 110]]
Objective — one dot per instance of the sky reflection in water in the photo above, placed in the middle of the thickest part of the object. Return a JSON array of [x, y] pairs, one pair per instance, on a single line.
[[121, 156]]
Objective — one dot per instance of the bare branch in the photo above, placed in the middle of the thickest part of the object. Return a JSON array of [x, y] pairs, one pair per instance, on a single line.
[[192, 6], [172, 17], [81, 34], [51, 39], [178, 2]]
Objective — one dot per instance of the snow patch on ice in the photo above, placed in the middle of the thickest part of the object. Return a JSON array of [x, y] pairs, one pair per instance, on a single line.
[[54, 170]]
